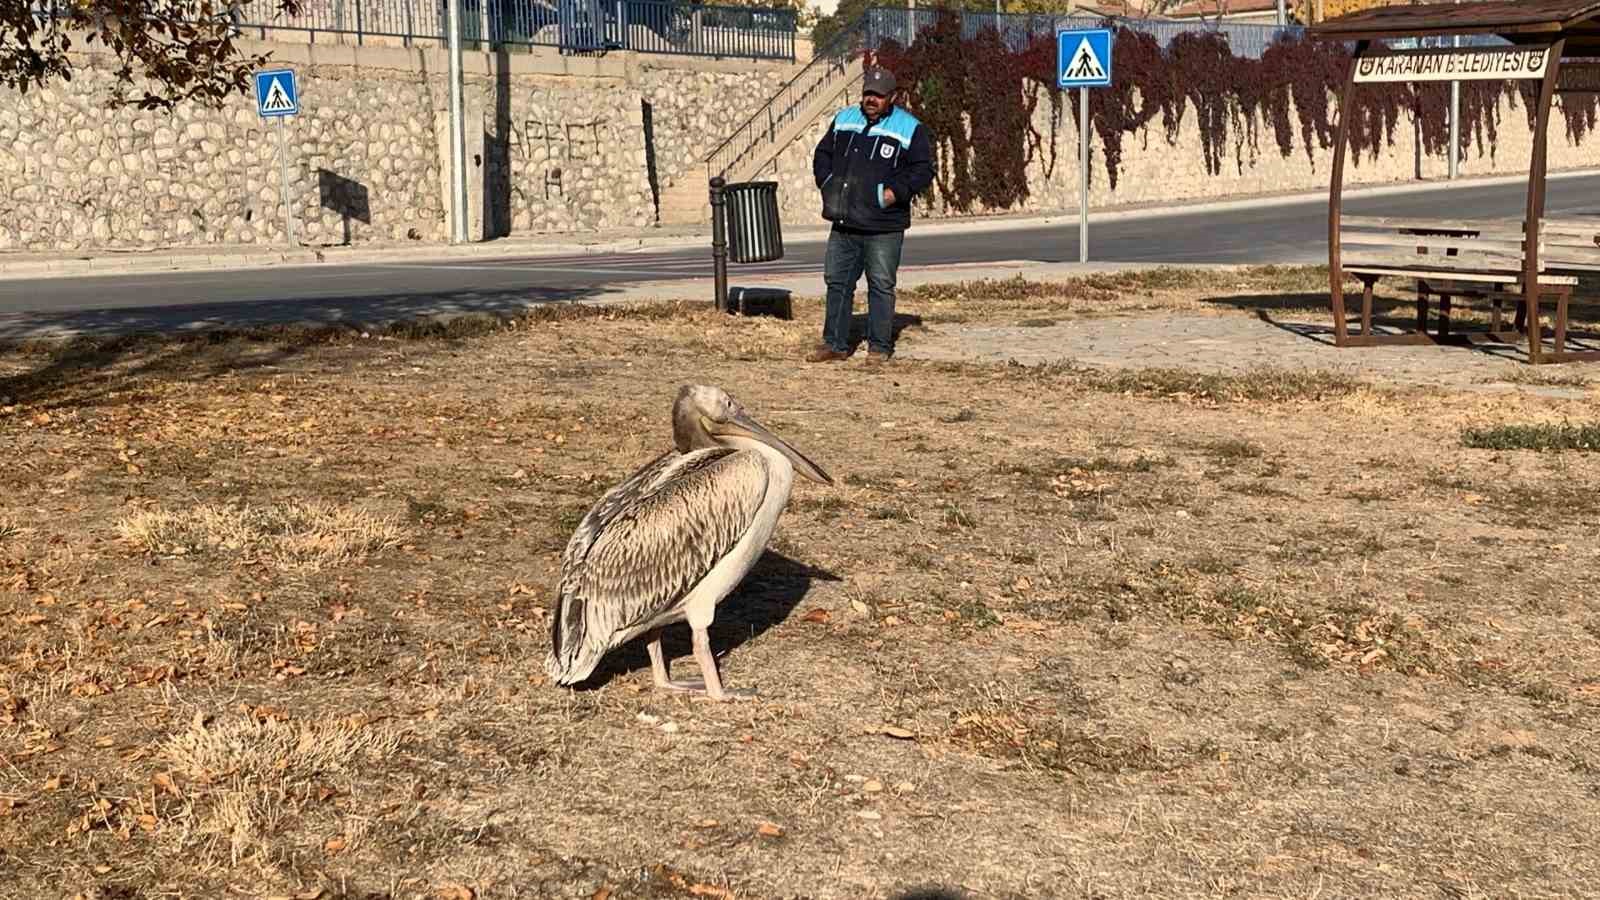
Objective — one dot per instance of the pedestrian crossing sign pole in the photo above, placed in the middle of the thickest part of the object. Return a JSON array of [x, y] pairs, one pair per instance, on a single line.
[[1083, 61], [278, 98]]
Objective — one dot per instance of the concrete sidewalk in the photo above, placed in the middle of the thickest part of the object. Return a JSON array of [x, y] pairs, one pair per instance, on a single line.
[[79, 263]]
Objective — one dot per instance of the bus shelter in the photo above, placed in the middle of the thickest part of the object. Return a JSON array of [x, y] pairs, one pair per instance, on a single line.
[[1529, 260]]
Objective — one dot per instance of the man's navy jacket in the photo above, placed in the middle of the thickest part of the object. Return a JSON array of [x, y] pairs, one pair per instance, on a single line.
[[893, 152]]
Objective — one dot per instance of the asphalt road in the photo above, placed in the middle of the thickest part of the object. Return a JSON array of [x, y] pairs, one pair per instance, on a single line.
[[1278, 233]]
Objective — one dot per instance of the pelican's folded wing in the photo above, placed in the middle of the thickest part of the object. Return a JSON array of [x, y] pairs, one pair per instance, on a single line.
[[653, 548]]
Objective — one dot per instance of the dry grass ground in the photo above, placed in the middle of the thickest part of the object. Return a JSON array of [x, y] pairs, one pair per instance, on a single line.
[[275, 607]]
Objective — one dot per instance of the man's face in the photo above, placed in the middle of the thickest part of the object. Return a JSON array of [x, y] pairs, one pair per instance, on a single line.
[[873, 104]]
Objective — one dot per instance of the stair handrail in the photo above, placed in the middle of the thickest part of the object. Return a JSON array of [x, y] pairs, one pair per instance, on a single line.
[[784, 105]]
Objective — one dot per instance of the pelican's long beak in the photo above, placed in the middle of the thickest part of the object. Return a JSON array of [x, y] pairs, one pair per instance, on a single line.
[[744, 425]]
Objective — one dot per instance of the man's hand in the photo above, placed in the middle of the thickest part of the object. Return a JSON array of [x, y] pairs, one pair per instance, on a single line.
[[888, 196]]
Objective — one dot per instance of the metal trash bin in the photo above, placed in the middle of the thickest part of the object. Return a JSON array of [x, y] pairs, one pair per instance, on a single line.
[[754, 232]]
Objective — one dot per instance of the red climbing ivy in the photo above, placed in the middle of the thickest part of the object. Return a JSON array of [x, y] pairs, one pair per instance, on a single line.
[[978, 97]]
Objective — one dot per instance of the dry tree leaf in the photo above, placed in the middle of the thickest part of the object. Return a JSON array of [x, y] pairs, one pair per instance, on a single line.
[[164, 782], [818, 616], [767, 829]]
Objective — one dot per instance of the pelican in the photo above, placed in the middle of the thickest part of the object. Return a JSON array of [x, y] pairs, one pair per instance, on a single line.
[[672, 540]]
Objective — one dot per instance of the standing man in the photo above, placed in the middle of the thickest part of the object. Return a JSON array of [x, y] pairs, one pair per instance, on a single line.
[[873, 160]]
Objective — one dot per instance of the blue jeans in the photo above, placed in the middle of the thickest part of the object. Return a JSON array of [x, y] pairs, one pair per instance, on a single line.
[[849, 254]]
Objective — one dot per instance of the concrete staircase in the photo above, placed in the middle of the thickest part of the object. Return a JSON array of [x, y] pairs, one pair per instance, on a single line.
[[686, 203], [791, 113]]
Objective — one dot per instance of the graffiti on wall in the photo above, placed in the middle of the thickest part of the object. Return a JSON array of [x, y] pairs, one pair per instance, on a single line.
[[562, 142]]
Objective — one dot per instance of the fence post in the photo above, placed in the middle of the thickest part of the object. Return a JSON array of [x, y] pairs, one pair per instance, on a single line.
[[719, 242], [359, 23]]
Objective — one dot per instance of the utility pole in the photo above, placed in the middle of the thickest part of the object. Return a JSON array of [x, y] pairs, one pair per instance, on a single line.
[[458, 133]]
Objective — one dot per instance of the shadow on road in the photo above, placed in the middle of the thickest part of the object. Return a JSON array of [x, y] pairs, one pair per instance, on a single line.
[[88, 354]]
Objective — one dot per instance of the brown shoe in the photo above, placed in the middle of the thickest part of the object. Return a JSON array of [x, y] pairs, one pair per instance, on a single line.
[[824, 353], [878, 358]]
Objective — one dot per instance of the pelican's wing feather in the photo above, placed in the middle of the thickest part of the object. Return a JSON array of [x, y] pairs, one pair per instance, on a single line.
[[647, 543]]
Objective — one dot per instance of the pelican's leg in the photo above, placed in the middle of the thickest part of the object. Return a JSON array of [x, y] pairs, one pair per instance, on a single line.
[[658, 668], [708, 669]]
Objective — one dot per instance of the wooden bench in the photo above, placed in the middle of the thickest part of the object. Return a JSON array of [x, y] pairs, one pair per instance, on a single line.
[[1456, 258]]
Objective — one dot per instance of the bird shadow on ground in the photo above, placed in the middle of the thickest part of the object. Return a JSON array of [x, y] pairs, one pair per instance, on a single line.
[[764, 600], [935, 893]]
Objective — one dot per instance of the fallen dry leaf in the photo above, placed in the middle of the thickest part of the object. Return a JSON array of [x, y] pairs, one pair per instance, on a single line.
[[817, 616], [896, 731], [164, 782], [767, 829], [335, 844]]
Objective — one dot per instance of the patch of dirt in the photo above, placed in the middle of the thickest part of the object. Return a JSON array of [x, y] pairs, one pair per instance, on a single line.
[[276, 607]]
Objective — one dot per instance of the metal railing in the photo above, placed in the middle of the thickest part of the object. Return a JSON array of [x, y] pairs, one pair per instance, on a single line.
[[1017, 29], [576, 26], [644, 26], [823, 75], [880, 25]]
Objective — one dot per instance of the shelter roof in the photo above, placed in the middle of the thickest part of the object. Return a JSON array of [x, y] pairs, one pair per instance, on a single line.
[[1518, 21]]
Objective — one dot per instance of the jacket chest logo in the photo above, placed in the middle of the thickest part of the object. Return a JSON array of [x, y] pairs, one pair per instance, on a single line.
[[886, 151]]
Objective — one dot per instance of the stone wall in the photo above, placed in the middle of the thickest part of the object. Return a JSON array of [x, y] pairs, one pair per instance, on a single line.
[[554, 144], [74, 174], [1154, 172]]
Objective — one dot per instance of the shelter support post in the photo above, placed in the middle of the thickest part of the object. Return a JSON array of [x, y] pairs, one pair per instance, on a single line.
[[1341, 335], [1536, 186]]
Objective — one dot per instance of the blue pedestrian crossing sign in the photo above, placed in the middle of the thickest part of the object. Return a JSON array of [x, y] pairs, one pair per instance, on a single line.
[[1083, 58], [276, 94]]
